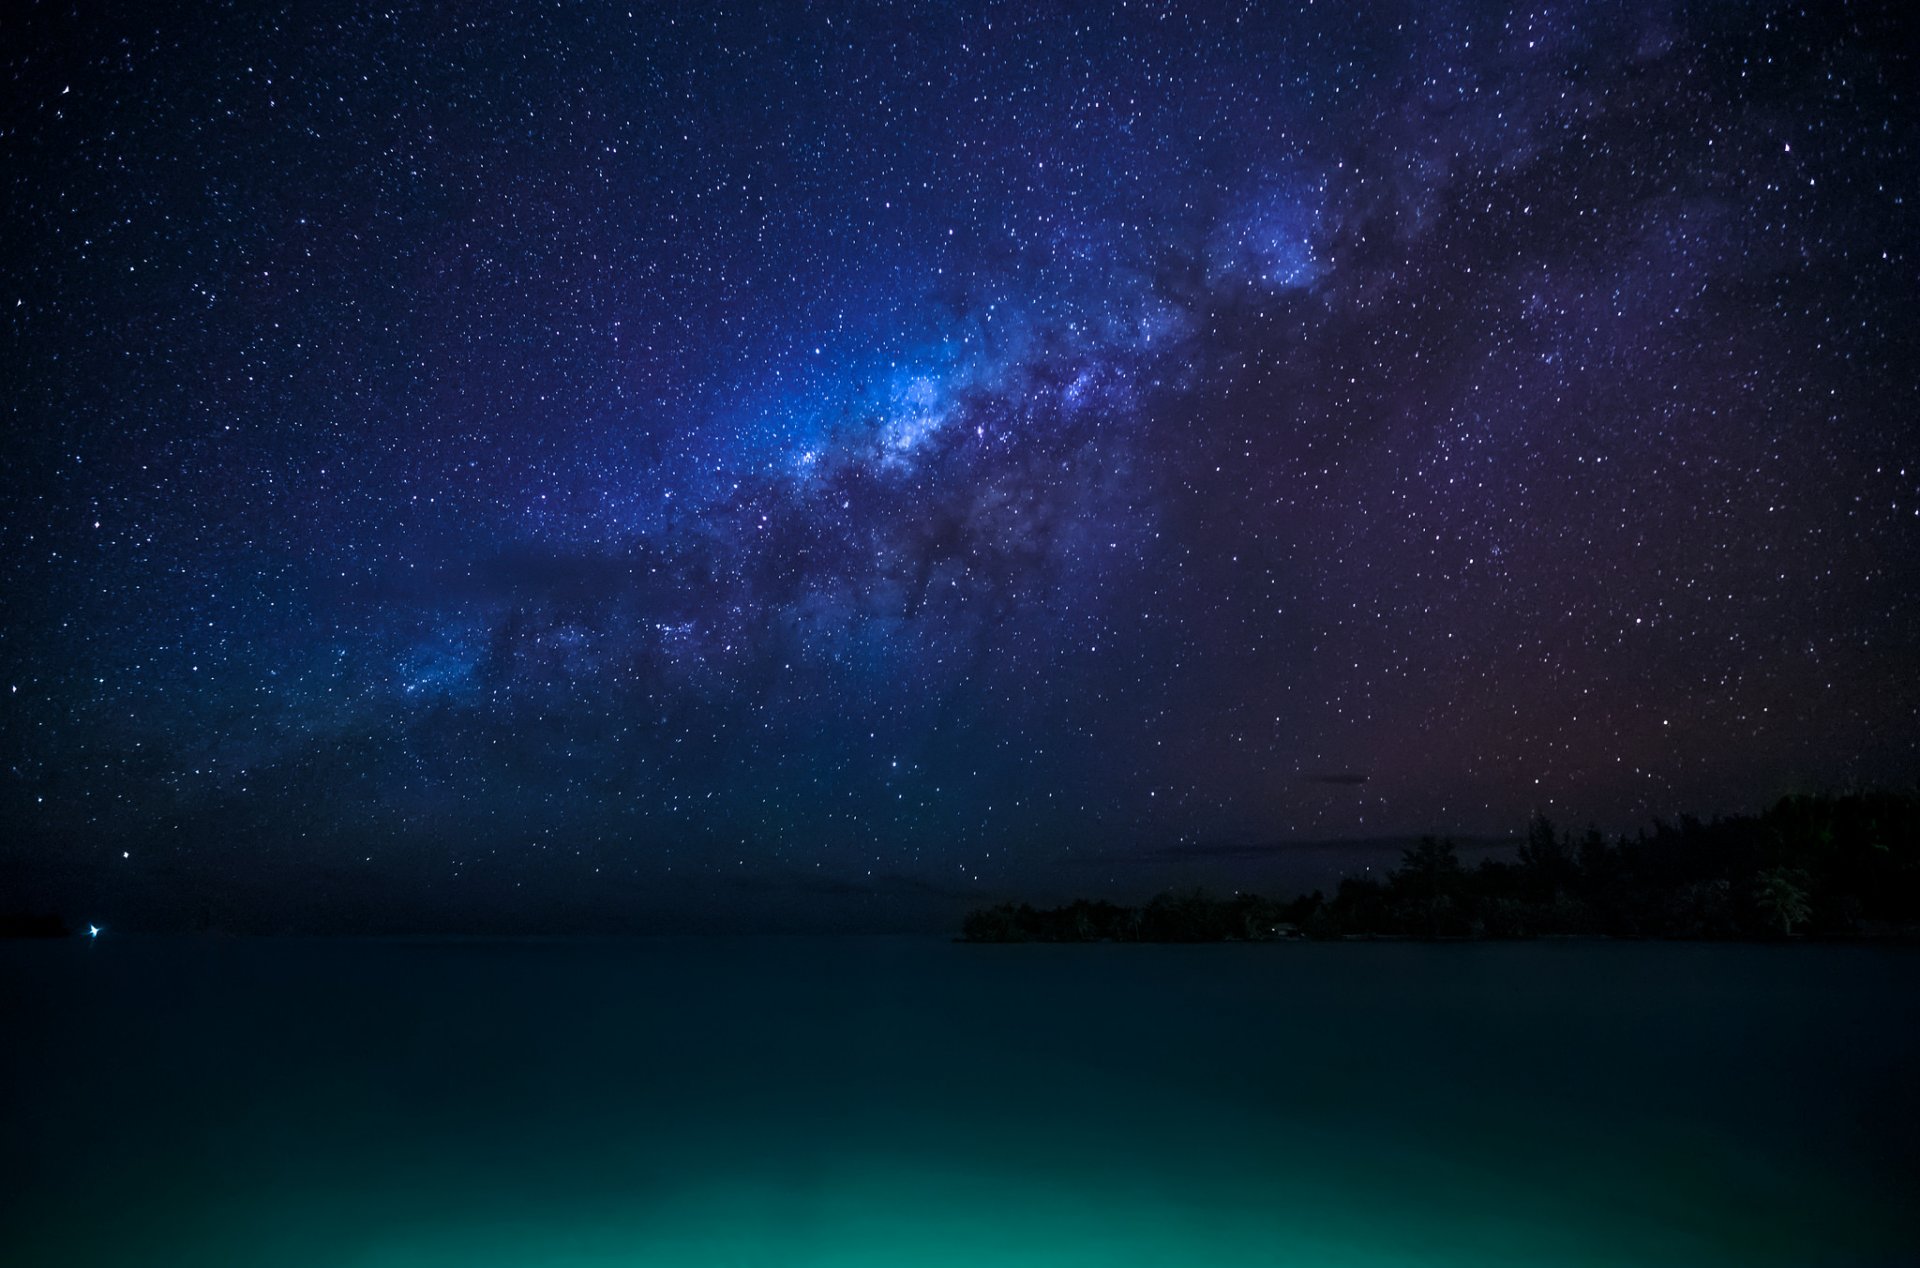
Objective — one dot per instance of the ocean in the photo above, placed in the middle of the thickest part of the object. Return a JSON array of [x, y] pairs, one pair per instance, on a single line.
[[846, 1102]]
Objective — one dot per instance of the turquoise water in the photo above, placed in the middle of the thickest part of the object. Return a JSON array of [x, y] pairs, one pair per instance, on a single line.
[[583, 1104]]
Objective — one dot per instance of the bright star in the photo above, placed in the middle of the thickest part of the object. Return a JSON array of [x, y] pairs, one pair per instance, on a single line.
[[93, 931]]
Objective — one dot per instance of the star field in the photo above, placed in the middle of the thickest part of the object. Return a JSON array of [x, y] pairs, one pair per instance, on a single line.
[[574, 455]]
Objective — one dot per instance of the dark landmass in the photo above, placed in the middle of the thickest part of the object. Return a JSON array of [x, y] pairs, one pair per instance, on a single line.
[[30, 925], [1827, 866]]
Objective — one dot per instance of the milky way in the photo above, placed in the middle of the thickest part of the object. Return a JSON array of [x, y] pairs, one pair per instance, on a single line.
[[591, 453]]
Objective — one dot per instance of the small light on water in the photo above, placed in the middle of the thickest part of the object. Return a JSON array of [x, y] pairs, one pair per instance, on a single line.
[[93, 931]]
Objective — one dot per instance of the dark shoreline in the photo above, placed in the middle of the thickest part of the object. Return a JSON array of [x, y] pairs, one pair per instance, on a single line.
[[1901, 938], [1828, 869]]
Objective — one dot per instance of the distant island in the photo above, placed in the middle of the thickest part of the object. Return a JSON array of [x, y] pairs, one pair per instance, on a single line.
[[1820, 866], [33, 925]]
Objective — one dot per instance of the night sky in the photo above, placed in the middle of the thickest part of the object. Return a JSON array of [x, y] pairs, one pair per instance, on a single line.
[[567, 464]]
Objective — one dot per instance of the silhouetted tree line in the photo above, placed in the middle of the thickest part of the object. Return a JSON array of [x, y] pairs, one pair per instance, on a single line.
[[1828, 866]]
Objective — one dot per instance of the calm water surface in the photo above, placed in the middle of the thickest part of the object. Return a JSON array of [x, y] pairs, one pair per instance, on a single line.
[[582, 1104]]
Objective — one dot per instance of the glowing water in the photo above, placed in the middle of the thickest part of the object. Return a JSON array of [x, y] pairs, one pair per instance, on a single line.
[[886, 1102]]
